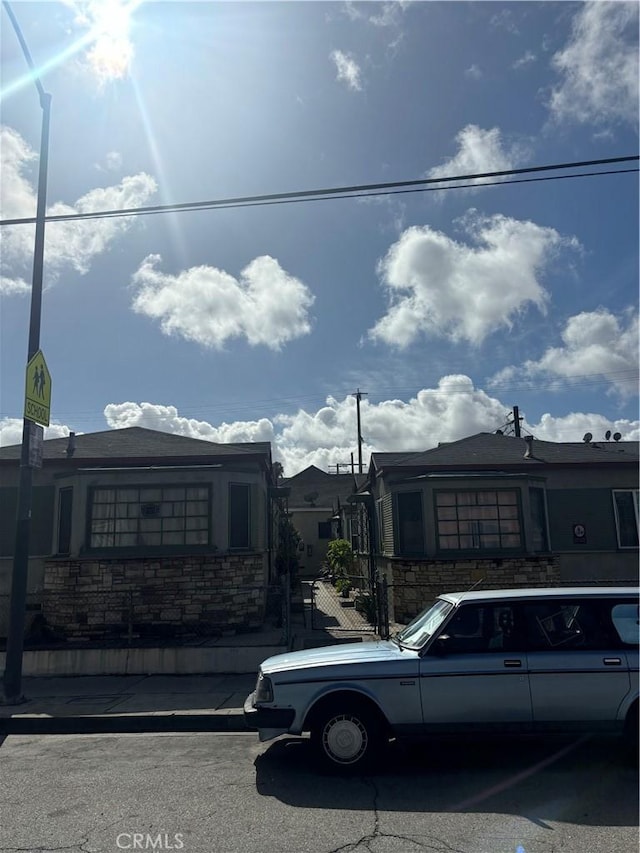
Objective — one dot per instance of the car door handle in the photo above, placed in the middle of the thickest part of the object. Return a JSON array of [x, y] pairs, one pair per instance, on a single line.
[[612, 661], [513, 664]]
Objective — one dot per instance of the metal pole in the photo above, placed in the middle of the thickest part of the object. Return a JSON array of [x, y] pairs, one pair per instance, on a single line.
[[12, 679]]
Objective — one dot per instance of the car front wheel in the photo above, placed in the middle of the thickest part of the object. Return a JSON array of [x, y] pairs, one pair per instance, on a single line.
[[346, 739]]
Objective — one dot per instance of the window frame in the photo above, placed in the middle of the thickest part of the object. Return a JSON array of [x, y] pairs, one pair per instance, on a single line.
[[64, 492], [148, 548], [247, 488], [401, 550], [516, 549], [635, 497]]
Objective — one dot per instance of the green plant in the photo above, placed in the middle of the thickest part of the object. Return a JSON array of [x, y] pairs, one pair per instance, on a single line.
[[365, 603], [343, 587], [340, 557]]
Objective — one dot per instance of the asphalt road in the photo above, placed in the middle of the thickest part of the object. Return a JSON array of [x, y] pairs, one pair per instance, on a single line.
[[226, 793]]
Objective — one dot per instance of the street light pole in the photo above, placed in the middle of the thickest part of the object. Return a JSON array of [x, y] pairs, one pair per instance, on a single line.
[[12, 679]]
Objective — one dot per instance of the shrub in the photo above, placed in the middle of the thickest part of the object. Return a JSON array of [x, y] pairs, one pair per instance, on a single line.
[[340, 557]]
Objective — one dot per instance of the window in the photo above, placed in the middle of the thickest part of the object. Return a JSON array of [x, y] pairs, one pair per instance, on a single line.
[[625, 503], [410, 532], [626, 619], [484, 628], [139, 517], [65, 502], [483, 520], [324, 530], [562, 625], [239, 531], [540, 538]]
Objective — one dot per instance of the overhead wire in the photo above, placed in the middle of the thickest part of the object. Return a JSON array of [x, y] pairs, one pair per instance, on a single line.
[[344, 192]]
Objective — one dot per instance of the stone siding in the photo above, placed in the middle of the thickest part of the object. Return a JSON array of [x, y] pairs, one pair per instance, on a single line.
[[413, 585], [207, 595]]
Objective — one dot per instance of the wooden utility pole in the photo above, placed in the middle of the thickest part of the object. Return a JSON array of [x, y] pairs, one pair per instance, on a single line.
[[358, 395]]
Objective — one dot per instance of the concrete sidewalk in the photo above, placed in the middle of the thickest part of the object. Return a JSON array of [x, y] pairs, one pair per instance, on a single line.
[[89, 704]]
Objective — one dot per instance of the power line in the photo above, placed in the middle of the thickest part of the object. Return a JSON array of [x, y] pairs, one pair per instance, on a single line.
[[355, 191]]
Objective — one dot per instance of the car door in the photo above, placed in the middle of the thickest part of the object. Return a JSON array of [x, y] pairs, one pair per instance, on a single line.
[[578, 669], [475, 675]]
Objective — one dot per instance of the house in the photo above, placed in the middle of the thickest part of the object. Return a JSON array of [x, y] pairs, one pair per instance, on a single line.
[[314, 503], [143, 529], [498, 510]]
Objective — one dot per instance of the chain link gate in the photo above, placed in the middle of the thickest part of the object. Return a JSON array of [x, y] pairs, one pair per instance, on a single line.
[[352, 603]]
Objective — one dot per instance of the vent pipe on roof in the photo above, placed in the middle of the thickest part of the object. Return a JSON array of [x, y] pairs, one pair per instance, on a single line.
[[528, 454], [71, 446]]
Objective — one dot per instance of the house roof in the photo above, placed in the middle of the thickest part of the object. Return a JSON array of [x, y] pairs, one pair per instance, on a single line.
[[490, 451], [327, 489], [137, 443]]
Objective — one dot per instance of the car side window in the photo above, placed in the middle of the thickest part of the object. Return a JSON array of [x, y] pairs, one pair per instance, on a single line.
[[483, 628], [563, 625], [626, 622]]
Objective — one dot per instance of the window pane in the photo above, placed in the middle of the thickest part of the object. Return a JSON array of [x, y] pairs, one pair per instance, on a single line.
[[508, 498], [238, 515], [446, 499], [449, 527], [172, 538], [410, 531], [486, 497], [197, 524], [150, 495], [173, 494], [195, 493], [196, 508], [627, 523], [447, 512], [101, 540], [125, 525], [148, 524], [124, 540], [451, 542], [104, 496], [197, 537], [127, 495], [508, 512], [150, 538], [510, 541], [173, 524]]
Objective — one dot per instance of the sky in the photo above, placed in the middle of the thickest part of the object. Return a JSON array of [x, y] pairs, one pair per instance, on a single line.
[[445, 308]]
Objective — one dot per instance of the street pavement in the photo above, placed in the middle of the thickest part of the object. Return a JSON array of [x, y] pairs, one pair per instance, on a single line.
[[134, 703]]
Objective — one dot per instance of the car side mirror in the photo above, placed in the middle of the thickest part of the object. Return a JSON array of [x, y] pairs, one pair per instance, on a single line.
[[440, 646]]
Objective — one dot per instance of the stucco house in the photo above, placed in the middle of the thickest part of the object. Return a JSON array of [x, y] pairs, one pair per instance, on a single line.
[[143, 529], [314, 503], [498, 510]]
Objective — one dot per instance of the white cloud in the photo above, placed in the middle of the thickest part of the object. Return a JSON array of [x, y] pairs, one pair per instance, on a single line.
[[480, 151], [474, 72], [67, 244], [599, 66], [462, 291], [13, 286], [265, 305], [107, 25], [573, 426], [11, 431], [595, 344], [505, 20], [112, 162], [348, 70], [526, 59], [453, 410]]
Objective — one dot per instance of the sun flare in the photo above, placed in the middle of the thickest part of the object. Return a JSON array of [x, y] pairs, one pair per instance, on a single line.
[[111, 54]]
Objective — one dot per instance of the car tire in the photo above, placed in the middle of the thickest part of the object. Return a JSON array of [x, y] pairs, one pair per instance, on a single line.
[[347, 738]]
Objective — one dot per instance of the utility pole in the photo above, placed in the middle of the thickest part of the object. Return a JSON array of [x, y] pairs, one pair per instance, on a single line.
[[516, 421], [358, 395], [12, 679]]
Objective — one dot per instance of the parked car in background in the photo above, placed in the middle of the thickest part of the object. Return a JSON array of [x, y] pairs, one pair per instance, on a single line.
[[517, 660]]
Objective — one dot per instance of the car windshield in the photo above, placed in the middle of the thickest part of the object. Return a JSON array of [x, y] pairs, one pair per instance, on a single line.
[[428, 623]]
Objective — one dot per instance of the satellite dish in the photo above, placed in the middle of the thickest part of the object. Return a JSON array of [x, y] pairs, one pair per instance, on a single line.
[[617, 436], [499, 432], [587, 437], [607, 435]]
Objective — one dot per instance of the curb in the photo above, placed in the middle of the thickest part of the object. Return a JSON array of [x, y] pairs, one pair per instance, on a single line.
[[123, 724]]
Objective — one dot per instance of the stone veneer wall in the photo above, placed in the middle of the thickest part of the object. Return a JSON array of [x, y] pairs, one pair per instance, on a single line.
[[208, 594], [413, 585]]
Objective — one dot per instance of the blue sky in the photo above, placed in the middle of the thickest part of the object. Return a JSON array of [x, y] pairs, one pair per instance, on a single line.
[[259, 323]]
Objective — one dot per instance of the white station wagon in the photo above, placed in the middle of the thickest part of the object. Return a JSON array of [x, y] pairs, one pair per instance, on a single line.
[[517, 660]]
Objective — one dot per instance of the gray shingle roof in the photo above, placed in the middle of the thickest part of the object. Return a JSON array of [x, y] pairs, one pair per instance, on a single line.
[[488, 450], [329, 487], [137, 443]]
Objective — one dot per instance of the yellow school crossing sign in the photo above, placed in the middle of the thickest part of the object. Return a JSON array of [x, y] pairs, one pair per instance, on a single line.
[[37, 397]]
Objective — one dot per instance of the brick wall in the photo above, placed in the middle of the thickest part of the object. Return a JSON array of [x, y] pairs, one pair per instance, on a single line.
[[414, 585], [204, 594]]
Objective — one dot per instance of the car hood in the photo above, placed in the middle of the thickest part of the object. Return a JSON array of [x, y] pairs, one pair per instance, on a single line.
[[343, 654]]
